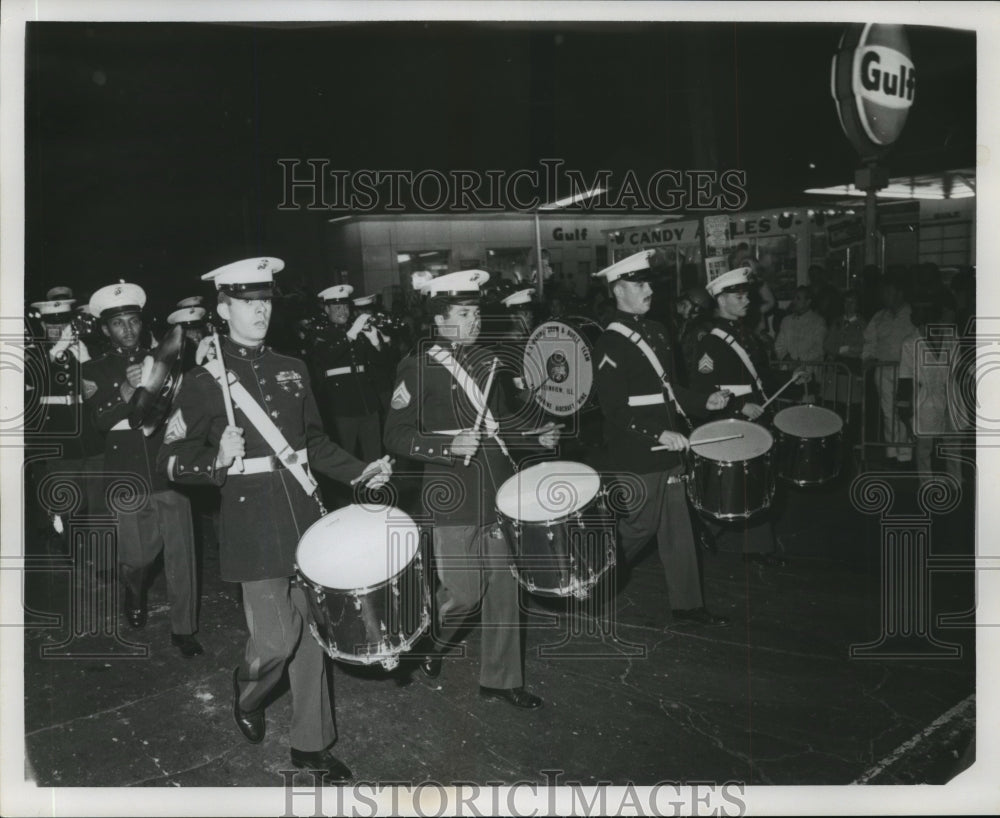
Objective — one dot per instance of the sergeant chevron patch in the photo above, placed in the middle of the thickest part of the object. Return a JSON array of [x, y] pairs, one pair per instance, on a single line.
[[176, 427], [706, 364], [401, 397]]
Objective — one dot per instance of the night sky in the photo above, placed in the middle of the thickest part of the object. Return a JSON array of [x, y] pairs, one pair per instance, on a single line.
[[152, 149]]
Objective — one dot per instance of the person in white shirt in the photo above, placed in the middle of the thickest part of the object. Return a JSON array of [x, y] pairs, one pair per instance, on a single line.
[[926, 380], [802, 333], [884, 338]]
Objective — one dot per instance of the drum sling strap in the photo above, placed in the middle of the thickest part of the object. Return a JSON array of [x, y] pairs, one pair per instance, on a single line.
[[647, 350], [260, 420], [738, 349], [472, 391]]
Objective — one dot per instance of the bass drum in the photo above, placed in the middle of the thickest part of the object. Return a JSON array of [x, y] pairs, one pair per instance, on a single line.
[[558, 365], [363, 575], [555, 518]]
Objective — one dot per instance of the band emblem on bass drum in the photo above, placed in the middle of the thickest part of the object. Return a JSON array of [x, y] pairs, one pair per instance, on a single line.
[[558, 365]]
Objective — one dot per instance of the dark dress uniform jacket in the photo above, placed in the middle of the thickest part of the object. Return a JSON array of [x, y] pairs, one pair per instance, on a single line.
[[622, 373], [66, 422], [718, 365], [427, 399], [263, 516], [125, 450], [351, 394]]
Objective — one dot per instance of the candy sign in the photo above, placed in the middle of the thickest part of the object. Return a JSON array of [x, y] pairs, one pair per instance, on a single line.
[[873, 82]]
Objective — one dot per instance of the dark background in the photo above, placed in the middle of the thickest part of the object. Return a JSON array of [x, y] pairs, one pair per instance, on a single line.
[[152, 148]]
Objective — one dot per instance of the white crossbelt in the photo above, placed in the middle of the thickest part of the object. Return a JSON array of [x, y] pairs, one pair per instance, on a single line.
[[121, 426], [647, 350], [60, 400], [472, 391], [742, 353], [260, 420], [344, 370]]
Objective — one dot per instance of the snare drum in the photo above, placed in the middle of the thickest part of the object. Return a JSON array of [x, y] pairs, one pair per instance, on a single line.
[[808, 444], [558, 365], [556, 520], [363, 575], [731, 479]]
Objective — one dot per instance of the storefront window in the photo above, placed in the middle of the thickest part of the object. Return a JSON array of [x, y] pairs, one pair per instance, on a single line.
[[511, 262], [413, 261]]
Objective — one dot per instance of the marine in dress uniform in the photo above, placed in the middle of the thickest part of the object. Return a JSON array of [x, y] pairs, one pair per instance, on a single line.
[[163, 523], [379, 356], [519, 308], [340, 354], [191, 316], [265, 507], [645, 406], [730, 358], [435, 405], [53, 384]]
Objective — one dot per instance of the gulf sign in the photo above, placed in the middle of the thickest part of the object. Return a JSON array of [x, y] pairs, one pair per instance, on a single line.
[[874, 83]]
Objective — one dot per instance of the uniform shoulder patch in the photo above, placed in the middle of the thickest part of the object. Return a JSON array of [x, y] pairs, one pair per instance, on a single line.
[[89, 389], [706, 364], [176, 427], [401, 396]]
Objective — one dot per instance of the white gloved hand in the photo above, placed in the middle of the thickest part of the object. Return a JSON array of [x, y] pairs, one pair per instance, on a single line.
[[358, 325], [206, 350]]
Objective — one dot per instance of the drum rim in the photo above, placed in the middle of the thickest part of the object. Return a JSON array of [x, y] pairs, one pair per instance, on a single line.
[[365, 589]]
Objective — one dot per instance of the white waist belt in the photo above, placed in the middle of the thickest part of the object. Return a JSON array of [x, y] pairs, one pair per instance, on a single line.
[[61, 400], [344, 370], [645, 400], [121, 426], [259, 465]]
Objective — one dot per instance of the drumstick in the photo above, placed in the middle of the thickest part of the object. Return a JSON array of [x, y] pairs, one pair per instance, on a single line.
[[365, 475], [482, 409], [699, 442], [226, 397], [788, 383]]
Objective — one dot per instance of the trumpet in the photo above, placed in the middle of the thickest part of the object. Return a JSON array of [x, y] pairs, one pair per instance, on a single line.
[[384, 322]]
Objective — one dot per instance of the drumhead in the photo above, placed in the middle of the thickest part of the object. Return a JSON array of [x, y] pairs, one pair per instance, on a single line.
[[558, 365], [755, 440], [357, 546], [808, 421], [548, 491]]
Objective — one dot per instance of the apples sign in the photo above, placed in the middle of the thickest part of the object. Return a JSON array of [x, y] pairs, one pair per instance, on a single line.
[[873, 82]]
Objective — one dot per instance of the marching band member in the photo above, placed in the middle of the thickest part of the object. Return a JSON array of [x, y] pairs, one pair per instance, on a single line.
[[379, 356], [268, 501], [730, 358], [191, 316], [348, 394], [437, 405], [55, 362], [520, 313], [164, 521], [643, 406]]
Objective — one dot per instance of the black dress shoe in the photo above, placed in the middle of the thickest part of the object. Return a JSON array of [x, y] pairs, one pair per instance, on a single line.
[[766, 560], [332, 767], [700, 616], [431, 666], [188, 645], [517, 696], [250, 722], [135, 608]]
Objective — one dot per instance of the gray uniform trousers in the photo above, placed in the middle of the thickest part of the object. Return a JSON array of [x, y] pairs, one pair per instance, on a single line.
[[473, 565], [162, 524], [665, 514], [277, 614]]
